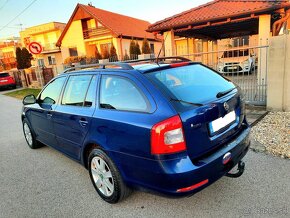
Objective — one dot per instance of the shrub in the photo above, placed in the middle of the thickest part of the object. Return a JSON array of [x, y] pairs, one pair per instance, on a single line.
[[23, 58], [126, 56], [113, 54], [145, 47], [138, 51], [105, 53], [97, 54]]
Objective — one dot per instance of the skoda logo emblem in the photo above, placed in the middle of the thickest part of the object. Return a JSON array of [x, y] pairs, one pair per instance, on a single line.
[[227, 157], [226, 106]]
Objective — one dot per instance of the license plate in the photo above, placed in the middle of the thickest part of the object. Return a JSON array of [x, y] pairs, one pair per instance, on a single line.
[[221, 122], [3, 81], [232, 68]]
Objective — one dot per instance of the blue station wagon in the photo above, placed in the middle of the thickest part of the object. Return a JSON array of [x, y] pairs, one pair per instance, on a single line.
[[170, 126]]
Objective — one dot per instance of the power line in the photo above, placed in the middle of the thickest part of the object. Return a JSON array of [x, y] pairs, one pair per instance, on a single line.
[[11, 27], [4, 4], [18, 14]]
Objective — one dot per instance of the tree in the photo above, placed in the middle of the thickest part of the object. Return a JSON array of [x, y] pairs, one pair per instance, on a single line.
[[113, 54], [23, 58], [132, 49], [19, 58], [126, 56], [105, 53], [97, 54], [138, 51], [145, 47]]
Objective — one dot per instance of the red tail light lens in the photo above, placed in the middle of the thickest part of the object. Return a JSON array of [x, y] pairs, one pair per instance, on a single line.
[[167, 137]]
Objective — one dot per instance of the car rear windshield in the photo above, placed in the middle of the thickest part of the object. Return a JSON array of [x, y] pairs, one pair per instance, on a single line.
[[2, 75], [190, 84]]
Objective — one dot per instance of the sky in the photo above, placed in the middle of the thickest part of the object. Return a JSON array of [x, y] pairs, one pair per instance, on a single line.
[[44, 11]]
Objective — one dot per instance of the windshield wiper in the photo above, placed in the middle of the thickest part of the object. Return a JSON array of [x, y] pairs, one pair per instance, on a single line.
[[187, 102], [221, 94]]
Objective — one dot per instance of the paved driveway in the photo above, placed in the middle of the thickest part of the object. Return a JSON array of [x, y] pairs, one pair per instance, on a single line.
[[45, 183]]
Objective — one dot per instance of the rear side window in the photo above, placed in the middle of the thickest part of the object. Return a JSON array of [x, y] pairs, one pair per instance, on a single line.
[[119, 93], [193, 83], [52, 91], [76, 90], [2, 75]]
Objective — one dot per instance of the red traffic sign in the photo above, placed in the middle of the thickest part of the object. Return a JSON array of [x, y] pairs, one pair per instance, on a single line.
[[35, 48]]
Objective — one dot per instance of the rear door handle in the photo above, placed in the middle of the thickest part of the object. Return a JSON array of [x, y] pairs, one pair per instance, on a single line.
[[49, 115], [83, 122]]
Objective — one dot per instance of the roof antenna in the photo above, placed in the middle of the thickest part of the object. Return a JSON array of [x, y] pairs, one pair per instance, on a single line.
[[161, 48]]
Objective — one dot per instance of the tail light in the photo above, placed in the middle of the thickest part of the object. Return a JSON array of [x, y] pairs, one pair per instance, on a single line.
[[167, 137]]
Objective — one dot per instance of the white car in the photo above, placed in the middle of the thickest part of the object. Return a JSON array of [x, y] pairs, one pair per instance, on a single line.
[[237, 61]]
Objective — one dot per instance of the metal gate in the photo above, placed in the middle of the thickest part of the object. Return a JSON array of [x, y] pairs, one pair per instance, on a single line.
[[47, 74], [245, 66]]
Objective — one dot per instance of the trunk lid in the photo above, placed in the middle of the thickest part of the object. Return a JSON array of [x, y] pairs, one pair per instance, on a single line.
[[200, 140]]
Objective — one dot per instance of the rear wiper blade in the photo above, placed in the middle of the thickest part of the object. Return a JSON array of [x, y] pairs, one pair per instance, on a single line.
[[187, 102], [221, 94]]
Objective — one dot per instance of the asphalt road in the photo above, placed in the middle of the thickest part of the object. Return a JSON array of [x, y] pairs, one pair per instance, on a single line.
[[45, 183]]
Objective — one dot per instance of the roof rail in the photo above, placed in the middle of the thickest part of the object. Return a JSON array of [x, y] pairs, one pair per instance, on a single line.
[[122, 65]]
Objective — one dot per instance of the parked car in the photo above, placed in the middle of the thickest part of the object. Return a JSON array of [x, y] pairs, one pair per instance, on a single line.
[[7, 81], [237, 61], [172, 128]]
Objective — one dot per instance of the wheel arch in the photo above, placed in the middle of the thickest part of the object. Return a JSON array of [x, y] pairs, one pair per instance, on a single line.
[[89, 146]]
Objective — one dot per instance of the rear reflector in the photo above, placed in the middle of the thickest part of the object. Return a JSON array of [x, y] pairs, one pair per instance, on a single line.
[[167, 137], [195, 186], [179, 64]]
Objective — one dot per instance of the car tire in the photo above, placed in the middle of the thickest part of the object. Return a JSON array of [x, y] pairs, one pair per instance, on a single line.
[[106, 178], [29, 135]]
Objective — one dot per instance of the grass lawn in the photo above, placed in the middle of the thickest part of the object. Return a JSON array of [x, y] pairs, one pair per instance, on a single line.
[[20, 94]]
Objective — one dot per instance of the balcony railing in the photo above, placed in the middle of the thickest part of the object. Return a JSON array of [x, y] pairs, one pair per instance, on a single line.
[[50, 47], [91, 33]]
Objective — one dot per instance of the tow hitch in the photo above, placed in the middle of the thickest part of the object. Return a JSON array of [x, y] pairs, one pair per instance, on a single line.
[[241, 168]]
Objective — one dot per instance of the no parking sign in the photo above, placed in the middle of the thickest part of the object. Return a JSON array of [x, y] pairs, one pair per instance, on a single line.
[[35, 48]]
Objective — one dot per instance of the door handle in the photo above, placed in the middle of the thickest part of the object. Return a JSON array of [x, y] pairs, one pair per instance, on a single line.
[[49, 115], [83, 122]]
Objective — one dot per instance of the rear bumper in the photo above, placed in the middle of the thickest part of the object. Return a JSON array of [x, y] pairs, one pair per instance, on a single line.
[[171, 176]]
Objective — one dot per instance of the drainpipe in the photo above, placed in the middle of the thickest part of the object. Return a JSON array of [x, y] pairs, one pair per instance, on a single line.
[[278, 24], [121, 46]]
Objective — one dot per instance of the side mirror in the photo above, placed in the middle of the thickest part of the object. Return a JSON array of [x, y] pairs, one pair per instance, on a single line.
[[29, 99]]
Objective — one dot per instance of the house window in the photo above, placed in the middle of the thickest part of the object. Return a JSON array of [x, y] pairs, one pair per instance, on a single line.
[[241, 41], [73, 52], [152, 48], [40, 62], [51, 60]]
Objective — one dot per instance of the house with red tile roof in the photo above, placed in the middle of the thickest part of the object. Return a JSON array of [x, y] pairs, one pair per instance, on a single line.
[[222, 19], [90, 30]]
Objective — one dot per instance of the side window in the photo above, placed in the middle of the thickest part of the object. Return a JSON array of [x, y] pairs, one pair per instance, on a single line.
[[52, 91], [121, 94], [91, 94], [75, 90]]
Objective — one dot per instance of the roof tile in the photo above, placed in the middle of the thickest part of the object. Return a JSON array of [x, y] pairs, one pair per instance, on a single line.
[[215, 10]]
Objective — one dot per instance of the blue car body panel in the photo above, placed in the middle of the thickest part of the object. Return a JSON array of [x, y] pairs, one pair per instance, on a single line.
[[125, 136]]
